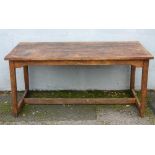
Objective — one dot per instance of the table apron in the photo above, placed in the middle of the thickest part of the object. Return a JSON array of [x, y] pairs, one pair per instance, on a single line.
[[136, 63]]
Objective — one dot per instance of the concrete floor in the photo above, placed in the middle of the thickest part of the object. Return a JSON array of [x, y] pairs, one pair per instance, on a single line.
[[77, 114]]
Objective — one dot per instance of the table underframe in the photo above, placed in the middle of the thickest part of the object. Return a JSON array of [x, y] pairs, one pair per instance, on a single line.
[[18, 105]]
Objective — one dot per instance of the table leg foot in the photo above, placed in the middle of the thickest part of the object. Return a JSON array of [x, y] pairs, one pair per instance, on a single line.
[[15, 114], [141, 114]]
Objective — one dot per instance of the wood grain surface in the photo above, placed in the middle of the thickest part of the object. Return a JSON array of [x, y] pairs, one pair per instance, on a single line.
[[46, 51]]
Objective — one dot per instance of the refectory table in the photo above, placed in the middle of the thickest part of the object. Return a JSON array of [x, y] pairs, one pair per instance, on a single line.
[[130, 53]]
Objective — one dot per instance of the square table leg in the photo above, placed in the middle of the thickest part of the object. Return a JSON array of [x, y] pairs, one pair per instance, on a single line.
[[13, 88], [144, 87], [21, 102], [26, 77], [132, 77], [17, 106]]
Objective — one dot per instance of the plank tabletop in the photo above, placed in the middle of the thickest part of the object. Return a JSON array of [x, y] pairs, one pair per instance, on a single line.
[[45, 51]]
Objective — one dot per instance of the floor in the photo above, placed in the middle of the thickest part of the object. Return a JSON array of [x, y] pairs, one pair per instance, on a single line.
[[77, 114]]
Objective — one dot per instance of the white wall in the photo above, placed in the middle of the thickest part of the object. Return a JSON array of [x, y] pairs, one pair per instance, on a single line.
[[74, 77]]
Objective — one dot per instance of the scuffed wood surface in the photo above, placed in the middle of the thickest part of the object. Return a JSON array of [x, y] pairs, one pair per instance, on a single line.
[[37, 51]]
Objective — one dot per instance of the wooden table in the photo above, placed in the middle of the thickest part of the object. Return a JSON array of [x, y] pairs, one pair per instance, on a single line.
[[26, 54]]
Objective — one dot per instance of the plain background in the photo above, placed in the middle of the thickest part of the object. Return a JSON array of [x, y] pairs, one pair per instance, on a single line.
[[75, 77]]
